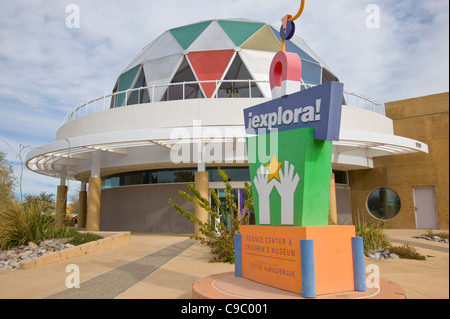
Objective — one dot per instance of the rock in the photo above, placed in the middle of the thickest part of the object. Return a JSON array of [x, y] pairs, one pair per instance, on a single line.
[[45, 243], [434, 238], [10, 259], [381, 253]]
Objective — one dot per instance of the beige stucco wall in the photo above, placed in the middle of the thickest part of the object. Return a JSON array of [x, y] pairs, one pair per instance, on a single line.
[[425, 119]]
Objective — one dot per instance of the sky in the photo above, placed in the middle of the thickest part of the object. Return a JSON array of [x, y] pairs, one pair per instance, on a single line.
[[384, 49]]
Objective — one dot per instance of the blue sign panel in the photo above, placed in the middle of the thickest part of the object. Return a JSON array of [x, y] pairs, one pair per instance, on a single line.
[[318, 107]]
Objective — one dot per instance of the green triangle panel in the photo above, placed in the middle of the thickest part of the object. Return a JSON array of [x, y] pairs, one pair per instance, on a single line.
[[186, 35], [126, 80], [239, 31]]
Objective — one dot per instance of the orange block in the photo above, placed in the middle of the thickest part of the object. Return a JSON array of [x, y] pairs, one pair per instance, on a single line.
[[271, 255]]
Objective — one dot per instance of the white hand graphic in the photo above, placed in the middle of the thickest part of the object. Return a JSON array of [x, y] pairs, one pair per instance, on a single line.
[[264, 188], [286, 188]]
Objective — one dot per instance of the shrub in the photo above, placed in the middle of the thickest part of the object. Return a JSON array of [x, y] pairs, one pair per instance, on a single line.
[[373, 235], [443, 235], [224, 220], [82, 238], [407, 251], [21, 223]]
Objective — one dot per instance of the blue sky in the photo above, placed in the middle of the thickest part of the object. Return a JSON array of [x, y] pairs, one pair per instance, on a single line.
[[47, 69]]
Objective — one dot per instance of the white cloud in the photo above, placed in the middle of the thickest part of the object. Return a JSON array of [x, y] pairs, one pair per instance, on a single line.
[[47, 69]]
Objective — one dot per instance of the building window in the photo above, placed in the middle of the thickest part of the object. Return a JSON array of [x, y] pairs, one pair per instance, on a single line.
[[164, 176], [383, 203], [340, 177]]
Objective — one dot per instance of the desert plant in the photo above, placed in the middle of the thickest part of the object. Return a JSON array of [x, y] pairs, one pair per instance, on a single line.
[[7, 180], [407, 251], [21, 223], [48, 205], [373, 235], [430, 233], [224, 219]]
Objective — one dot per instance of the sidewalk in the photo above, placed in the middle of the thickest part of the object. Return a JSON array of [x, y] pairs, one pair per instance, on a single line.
[[158, 266], [420, 279]]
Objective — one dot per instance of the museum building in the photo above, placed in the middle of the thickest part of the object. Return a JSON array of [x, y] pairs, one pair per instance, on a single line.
[[175, 115]]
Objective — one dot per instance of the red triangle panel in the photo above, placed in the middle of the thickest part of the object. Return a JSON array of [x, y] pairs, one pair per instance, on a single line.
[[210, 66]]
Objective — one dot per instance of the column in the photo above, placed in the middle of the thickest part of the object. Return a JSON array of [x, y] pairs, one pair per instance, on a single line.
[[201, 183], [332, 218], [82, 206], [94, 195], [61, 202]]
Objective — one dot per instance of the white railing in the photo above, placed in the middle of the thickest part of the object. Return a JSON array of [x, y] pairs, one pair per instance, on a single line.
[[111, 100], [362, 102]]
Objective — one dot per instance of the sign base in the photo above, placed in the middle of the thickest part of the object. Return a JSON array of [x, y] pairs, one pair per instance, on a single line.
[[310, 261]]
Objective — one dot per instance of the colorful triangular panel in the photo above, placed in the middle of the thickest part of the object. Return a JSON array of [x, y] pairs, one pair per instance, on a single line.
[[164, 45], [126, 80], [258, 63], [160, 71], [187, 34], [210, 66], [291, 47], [239, 31], [264, 40], [311, 72], [212, 38]]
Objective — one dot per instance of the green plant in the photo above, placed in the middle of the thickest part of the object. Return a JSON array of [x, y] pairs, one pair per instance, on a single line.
[[373, 235], [81, 238], [407, 251], [48, 205], [443, 235], [21, 223], [224, 219], [7, 180]]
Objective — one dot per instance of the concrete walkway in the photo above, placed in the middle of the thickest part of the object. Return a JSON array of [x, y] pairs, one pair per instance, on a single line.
[[420, 279], [165, 267]]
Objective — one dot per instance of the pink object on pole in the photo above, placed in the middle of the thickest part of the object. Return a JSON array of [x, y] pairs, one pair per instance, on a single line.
[[285, 74]]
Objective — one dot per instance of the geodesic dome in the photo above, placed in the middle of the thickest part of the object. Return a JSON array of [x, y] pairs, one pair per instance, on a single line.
[[210, 57]]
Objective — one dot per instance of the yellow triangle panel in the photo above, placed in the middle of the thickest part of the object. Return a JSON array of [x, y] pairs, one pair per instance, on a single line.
[[263, 40]]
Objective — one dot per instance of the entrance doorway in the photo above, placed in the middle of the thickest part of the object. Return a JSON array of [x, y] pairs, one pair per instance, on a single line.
[[425, 207]]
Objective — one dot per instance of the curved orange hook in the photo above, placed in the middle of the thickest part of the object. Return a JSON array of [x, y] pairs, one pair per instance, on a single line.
[[299, 13]]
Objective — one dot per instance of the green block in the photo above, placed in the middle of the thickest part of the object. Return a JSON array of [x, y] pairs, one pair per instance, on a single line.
[[303, 178]]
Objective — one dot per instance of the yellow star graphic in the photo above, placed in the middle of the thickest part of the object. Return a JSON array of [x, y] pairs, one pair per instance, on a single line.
[[273, 167]]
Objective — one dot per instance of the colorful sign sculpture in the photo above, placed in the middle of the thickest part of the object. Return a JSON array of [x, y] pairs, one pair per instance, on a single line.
[[291, 246]]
